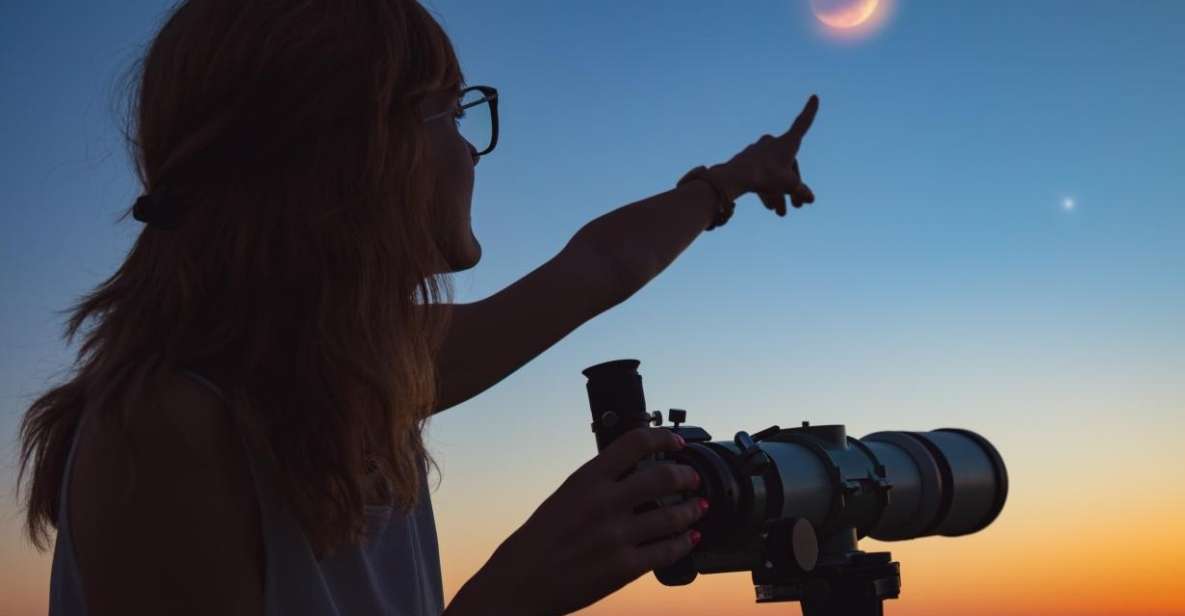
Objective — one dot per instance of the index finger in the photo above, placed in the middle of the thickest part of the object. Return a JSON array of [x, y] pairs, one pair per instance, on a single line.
[[625, 452], [804, 120]]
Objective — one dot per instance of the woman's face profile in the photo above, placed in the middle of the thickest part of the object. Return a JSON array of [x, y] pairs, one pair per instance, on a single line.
[[453, 159]]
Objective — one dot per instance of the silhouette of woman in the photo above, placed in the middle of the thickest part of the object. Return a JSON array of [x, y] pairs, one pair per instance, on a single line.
[[241, 433]]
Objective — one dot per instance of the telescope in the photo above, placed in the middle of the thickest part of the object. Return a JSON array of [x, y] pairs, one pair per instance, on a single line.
[[790, 504]]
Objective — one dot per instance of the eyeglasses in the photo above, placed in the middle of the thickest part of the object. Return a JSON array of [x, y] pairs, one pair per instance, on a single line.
[[478, 128]]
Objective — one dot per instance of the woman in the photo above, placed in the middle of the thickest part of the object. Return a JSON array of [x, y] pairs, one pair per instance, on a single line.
[[242, 430]]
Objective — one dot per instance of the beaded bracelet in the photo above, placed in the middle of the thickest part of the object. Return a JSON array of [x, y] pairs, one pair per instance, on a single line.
[[726, 207]]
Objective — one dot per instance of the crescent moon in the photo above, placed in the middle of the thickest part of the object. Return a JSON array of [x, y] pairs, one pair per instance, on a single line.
[[841, 14]]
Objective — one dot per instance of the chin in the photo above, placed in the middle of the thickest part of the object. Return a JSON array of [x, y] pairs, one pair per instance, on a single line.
[[470, 256]]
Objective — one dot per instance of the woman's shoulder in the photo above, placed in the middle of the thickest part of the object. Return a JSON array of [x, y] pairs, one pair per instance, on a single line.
[[179, 422], [167, 494]]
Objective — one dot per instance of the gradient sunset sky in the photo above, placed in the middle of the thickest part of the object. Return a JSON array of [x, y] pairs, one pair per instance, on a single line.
[[998, 244]]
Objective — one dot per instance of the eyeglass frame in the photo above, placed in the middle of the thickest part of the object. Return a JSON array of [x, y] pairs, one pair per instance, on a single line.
[[489, 94]]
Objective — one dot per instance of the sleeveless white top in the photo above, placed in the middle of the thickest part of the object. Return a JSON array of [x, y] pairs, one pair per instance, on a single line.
[[395, 573]]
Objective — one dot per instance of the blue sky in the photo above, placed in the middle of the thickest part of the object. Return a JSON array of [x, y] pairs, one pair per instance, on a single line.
[[938, 279]]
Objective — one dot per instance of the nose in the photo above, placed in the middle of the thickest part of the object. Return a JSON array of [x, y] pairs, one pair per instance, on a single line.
[[473, 153]]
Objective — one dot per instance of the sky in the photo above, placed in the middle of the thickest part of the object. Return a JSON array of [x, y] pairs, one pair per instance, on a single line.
[[996, 245]]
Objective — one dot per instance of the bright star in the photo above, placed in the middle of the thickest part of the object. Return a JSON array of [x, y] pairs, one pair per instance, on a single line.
[[1068, 203]]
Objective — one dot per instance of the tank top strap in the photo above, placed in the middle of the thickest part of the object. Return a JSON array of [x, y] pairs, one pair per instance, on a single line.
[[277, 520], [255, 466], [283, 540]]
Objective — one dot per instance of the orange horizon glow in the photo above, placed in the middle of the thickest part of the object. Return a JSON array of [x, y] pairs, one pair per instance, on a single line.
[[1059, 548]]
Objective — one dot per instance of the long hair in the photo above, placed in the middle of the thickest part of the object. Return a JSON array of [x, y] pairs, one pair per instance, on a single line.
[[306, 266]]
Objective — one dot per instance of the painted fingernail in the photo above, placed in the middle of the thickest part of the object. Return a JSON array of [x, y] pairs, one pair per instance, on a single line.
[[703, 504], [682, 443], [695, 536], [695, 481]]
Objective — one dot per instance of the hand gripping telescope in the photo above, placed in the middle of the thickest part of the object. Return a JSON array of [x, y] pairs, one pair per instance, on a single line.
[[789, 505]]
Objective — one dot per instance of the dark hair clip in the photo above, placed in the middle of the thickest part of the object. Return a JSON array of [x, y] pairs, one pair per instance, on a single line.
[[156, 211]]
